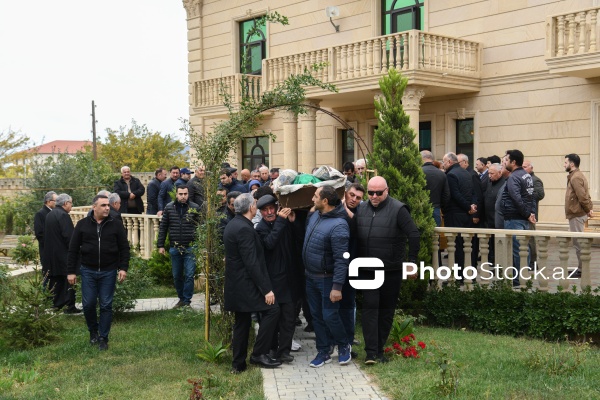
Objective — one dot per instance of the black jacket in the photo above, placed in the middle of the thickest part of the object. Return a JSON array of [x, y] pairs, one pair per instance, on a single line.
[[246, 277], [437, 184], [490, 196], [383, 232], [181, 222], [137, 188], [279, 241], [164, 197], [517, 196], [102, 247], [59, 229], [152, 196], [39, 226], [195, 190], [462, 193]]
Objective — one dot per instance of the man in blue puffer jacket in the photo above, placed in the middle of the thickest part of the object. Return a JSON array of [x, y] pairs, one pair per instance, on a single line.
[[326, 241]]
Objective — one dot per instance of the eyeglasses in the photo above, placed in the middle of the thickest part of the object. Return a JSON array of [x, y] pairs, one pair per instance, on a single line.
[[376, 192]]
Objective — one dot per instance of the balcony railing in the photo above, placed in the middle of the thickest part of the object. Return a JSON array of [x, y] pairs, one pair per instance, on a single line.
[[210, 92], [572, 43], [552, 254], [405, 51]]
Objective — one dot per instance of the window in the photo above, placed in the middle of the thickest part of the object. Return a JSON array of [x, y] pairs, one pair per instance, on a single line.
[[255, 151], [425, 135], [402, 15], [465, 135], [253, 47], [347, 147]]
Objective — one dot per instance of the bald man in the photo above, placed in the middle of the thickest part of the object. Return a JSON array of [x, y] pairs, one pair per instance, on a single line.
[[382, 227]]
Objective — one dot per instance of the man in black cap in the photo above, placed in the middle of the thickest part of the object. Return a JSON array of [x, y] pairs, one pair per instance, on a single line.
[[184, 177], [277, 234]]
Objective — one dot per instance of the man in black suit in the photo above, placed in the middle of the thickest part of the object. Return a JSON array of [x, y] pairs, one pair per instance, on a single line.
[[248, 287], [437, 184], [39, 226]]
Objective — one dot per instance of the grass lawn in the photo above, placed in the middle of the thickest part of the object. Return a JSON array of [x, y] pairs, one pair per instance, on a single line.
[[491, 367], [151, 356]]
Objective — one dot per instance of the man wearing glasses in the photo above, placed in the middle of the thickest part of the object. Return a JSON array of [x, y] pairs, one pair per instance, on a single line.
[[382, 226]]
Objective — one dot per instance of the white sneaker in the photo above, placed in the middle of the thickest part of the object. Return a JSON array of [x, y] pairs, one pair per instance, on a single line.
[[296, 346]]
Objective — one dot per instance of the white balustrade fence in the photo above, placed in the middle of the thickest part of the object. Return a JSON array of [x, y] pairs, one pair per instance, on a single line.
[[572, 33]]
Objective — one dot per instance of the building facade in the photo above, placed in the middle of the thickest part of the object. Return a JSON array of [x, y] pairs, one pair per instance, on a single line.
[[484, 77]]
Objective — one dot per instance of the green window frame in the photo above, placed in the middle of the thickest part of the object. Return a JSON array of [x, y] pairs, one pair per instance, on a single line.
[[402, 15], [253, 47], [465, 138], [255, 151]]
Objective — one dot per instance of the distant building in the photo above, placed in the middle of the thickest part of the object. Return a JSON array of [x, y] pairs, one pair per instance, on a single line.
[[52, 149]]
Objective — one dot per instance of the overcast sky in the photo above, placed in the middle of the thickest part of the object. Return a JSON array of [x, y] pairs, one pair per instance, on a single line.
[[130, 56]]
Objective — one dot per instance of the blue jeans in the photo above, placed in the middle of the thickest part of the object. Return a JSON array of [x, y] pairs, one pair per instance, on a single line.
[[521, 225], [326, 315], [183, 262], [437, 216], [98, 285]]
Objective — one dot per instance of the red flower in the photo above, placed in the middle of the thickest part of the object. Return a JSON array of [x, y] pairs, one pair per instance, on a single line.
[[388, 349], [406, 339], [412, 336], [422, 345], [396, 346]]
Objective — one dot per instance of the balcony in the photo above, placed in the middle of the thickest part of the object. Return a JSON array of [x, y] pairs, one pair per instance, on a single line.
[[442, 64], [208, 93], [572, 44]]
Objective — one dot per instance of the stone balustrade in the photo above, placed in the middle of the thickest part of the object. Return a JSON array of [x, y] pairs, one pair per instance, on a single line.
[[574, 33], [142, 229], [553, 251], [409, 50], [209, 92]]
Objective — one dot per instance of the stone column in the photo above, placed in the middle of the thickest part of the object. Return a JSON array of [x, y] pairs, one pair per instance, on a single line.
[[308, 123], [411, 102], [290, 140]]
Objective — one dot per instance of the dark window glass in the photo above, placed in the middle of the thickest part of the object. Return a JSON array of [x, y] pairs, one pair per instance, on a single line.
[[465, 135], [347, 147], [253, 47], [255, 151], [401, 15], [425, 135]]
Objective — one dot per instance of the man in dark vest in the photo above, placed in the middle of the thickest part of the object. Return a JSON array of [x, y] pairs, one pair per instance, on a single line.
[[382, 226]]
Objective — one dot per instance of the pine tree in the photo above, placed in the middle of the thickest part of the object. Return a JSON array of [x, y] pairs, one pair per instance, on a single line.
[[396, 157]]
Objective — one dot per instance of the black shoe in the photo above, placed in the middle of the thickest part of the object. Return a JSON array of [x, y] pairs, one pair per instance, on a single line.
[[179, 304], [288, 358], [382, 358], [94, 338], [236, 371], [298, 322], [354, 354], [264, 361], [309, 328], [73, 310], [371, 359], [102, 344]]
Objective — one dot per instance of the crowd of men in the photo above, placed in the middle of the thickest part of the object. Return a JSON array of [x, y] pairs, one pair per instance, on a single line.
[[278, 260], [500, 193]]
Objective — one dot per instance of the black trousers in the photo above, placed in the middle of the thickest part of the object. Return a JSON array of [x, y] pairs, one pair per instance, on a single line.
[[241, 331], [63, 294], [378, 310], [284, 332]]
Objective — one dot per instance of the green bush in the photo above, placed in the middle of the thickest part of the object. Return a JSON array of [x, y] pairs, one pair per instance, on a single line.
[[158, 268], [500, 310], [128, 291], [27, 317], [16, 213]]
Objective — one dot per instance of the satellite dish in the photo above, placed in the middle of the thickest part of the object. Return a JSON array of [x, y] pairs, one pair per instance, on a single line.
[[332, 11]]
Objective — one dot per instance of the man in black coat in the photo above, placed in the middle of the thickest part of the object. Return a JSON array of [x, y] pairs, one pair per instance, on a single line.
[[153, 189], [276, 231], [437, 184], [196, 190], [58, 232], [463, 202], [495, 183], [248, 287], [130, 190], [39, 226]]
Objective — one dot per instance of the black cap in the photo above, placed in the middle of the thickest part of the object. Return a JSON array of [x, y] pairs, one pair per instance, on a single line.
[[265, 201]]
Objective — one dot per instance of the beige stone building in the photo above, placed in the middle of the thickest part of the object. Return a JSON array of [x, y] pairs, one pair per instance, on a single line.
[[484, 77]]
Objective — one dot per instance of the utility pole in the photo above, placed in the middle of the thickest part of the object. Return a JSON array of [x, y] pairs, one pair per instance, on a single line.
[[94, 131]]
